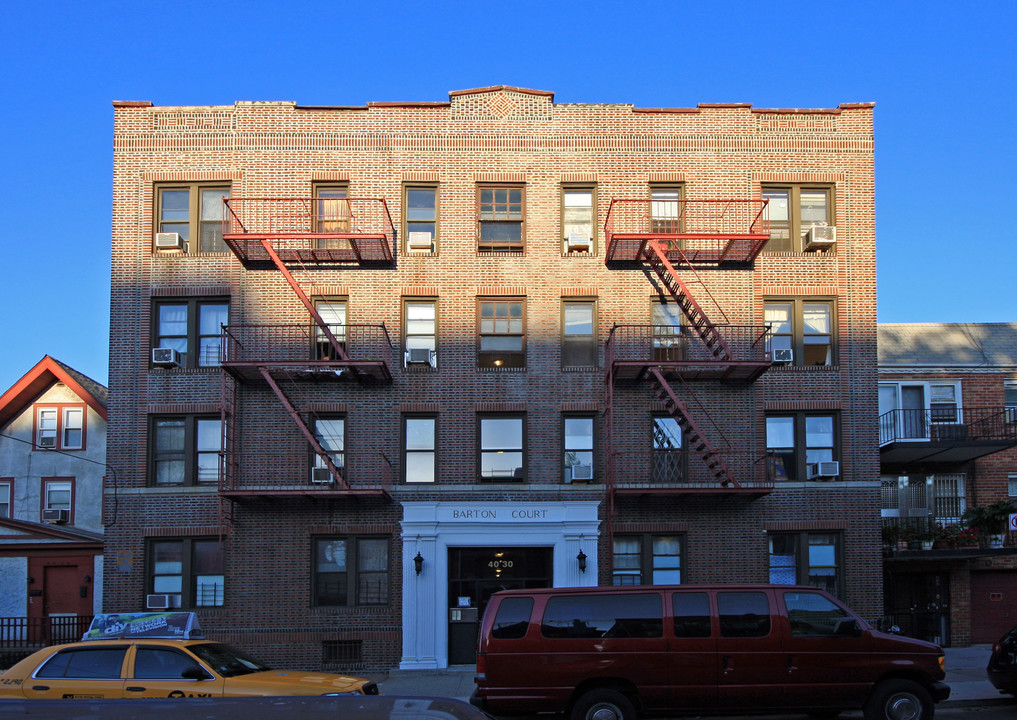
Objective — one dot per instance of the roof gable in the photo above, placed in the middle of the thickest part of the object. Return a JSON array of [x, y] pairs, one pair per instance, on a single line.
[[46, 373]]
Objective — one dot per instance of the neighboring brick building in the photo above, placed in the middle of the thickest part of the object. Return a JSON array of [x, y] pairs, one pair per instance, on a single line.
[[485, 343], [948, 443]]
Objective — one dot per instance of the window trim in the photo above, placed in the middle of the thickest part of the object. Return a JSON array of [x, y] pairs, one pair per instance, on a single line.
[[588, 341], [8, 482], [44, 491], [433, 362], [407, 187], [314, 461], [190, 451], [321, 348], [317, 214], [566, 467], [497, 363], [802, 565], [61, 410], [522, 449], [794, 222], [655, 452], [502, 248], [594, 218], [352, 570], [676, 224], [433, 451], [188, 575], [800, 447], [798, 334], [647, 565], [192, 244], [193, 305]]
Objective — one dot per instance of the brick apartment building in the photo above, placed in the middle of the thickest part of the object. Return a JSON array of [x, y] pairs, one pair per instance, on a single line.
[[484, 343]]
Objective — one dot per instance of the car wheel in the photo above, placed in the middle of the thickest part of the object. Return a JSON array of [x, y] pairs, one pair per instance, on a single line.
[[603, 705], [899, 700]]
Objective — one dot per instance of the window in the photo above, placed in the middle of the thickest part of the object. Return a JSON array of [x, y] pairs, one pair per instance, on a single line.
[[809, 558], [332, 312], [6, 498], [500, 213], [59, 427], [666, 210], [331, 214], [351, 571], [420, 334], [92, 663], [420, 438], [622, 615], [58, 494], [502, 443], [801, 331], [578, 219], [668, 464], [743, 614], [502, 342], [190, 568], [577, 432], [579, 334], [812, 615], [186, 325], [513, 618], [1010, 400], [666, 318], [1011, 483], [420, 218], [161, 663], [185, 449], [788, 435], [792, 210], [920, 410], [647, 560], [331, 435], [195, 211]]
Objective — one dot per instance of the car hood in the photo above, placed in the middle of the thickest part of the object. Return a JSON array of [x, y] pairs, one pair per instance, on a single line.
[[293, 682]]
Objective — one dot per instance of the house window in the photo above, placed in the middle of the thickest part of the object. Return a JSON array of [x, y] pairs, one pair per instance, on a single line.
[[58, 495], [577, 433], [185, 449], [578, 219], [500, 218], [801, 445], [331, 215], [332, 312], [1011, 483], [1010, 400], [801, 331], [420, 438], [792, 210], [59, 427], [183, 325], [666, 318], [808, 558], [502, 342], [6, 497], [195, 212], [668, 466], [647, 560], [192, 569], [502, 442], [666, 210], [351, 571], [579, 334], [420, 334], [331, 435], [420, 218]]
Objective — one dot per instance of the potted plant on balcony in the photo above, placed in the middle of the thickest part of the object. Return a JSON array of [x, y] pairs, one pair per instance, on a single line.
[[991, 520], [945, 536], [891, 536]]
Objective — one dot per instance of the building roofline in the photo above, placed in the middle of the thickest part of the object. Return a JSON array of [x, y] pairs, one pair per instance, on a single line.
[[45, 373]]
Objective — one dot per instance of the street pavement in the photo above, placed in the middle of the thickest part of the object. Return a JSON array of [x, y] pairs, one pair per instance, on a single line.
[[965, 674]]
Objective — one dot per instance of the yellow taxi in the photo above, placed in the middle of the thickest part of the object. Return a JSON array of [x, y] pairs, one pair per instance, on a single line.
[[139, 655]]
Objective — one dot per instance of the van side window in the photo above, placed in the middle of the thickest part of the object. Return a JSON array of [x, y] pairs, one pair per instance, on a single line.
[[811, 614], [512, 619], [625, 615], [691, 615], [743, 614]]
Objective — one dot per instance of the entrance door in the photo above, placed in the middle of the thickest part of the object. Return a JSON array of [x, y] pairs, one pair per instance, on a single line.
[[919, 603], [474, 574], [60, 600]]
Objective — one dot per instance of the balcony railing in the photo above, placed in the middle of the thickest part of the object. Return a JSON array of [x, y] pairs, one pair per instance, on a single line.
[[948, 425], [671, 472], [365, 473]]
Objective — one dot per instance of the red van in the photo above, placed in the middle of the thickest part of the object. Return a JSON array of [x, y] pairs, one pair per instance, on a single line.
[[614, 653]]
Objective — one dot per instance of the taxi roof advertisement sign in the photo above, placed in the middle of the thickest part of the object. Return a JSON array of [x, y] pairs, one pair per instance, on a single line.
[[173, 625]]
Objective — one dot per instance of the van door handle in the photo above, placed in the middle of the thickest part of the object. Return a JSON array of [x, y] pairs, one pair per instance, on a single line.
[[791, 664], [40, 688], [727, 663], [134, 689]]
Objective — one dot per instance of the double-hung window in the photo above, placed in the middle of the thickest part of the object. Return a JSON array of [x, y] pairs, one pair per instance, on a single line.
[[801, 331], [420, 218], [501, 218], [330, 432], [185, 449], [58, 494], [6, 497], [578, 219], [60, 427], [1010, 400], [578, 434], [502, 341], [351, 571], [420, 443], [420, 334], [666, 318], [502, 443], [332, 312], [579, 334], [647, 560], [792, 210], [195, 212], [666, 210], [190, 570], [803, 446], [192, 327], [331, 215], [808, 558], [668, 465]]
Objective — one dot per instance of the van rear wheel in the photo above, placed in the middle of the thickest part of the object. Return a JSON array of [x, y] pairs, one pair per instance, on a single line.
[[603, 705], [899, 700]]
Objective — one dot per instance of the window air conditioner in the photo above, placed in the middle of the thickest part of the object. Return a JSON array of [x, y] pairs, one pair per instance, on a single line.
[[783, 355], [829, 468], [820, 237], [167, 357], [582, 473], [162, 602], [419, 240], [321, 476], [47, 441], [168, 241], [55, 516], [578, 241], [418, 356]]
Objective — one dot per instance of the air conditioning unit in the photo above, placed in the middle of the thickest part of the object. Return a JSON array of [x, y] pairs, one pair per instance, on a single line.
[[419, 240], [168, 241], [47, 441], [321, 476], [582, 473], [829, 468], [820, 237], [418, 356], [784, 355], [578, 241], [55, 516], [167, 357], [162, 602]]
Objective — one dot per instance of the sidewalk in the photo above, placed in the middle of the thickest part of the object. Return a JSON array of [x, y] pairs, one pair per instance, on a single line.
[[965, 674]]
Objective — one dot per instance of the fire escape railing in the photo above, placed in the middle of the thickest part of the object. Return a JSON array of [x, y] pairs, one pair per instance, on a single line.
[[304, 345], [948, 425], [679, 344]]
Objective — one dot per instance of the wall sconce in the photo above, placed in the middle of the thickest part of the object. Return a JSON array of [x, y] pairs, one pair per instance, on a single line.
[[418, 562], [581, 558]]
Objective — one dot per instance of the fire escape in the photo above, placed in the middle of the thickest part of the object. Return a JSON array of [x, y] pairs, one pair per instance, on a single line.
[[296, 236], [663, 237]]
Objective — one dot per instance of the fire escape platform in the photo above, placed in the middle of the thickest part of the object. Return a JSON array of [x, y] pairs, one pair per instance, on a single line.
[[639, 370], [646, 489], [692, 248], [914, 452], [268, 494], [365, 371]]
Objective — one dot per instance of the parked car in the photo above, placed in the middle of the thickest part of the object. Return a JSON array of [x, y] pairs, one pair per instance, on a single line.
[[1002, 668], [146, 655], [614, 653]]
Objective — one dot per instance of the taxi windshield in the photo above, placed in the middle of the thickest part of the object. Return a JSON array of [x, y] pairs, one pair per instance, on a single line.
[[226, 660]]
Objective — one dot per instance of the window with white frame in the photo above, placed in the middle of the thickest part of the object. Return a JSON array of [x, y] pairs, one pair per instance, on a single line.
[[577, 434], [420, 438], [1010, 400], [58, 494], [420, 334], [60, 427], [665, 210], [6, 497], [578, 219], [666, 318], [420, 218]]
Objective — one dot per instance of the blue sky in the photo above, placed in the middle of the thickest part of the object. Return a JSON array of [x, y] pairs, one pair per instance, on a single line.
[[943, 76]]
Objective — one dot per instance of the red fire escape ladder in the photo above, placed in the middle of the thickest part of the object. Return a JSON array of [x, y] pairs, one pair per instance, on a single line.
[[692, 435]]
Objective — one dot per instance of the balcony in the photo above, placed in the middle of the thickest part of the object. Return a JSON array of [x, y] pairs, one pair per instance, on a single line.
[[696, 232], [677, 351], [944, 436], [309, 231]]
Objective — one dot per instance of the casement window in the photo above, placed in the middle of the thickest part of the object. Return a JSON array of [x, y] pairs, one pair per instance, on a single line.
[[666, 319], [647, 560], [420, 218], [332, 311], [792, 210], [801, 331], [6, 498], [195, 212], [578, 219], [330, 432], [191, 571], [665, 209], [803, 446], [502, 337], [807, 558], [60, 427], [190, 331], [579, 334], [420, 334], [350, 571], [184, 449], [668, 460], [501, 218], [502, 443], [331, 214], [577, 448], [420, 443]]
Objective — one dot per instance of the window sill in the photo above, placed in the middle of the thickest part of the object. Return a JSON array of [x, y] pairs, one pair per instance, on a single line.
[[580, 254]]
